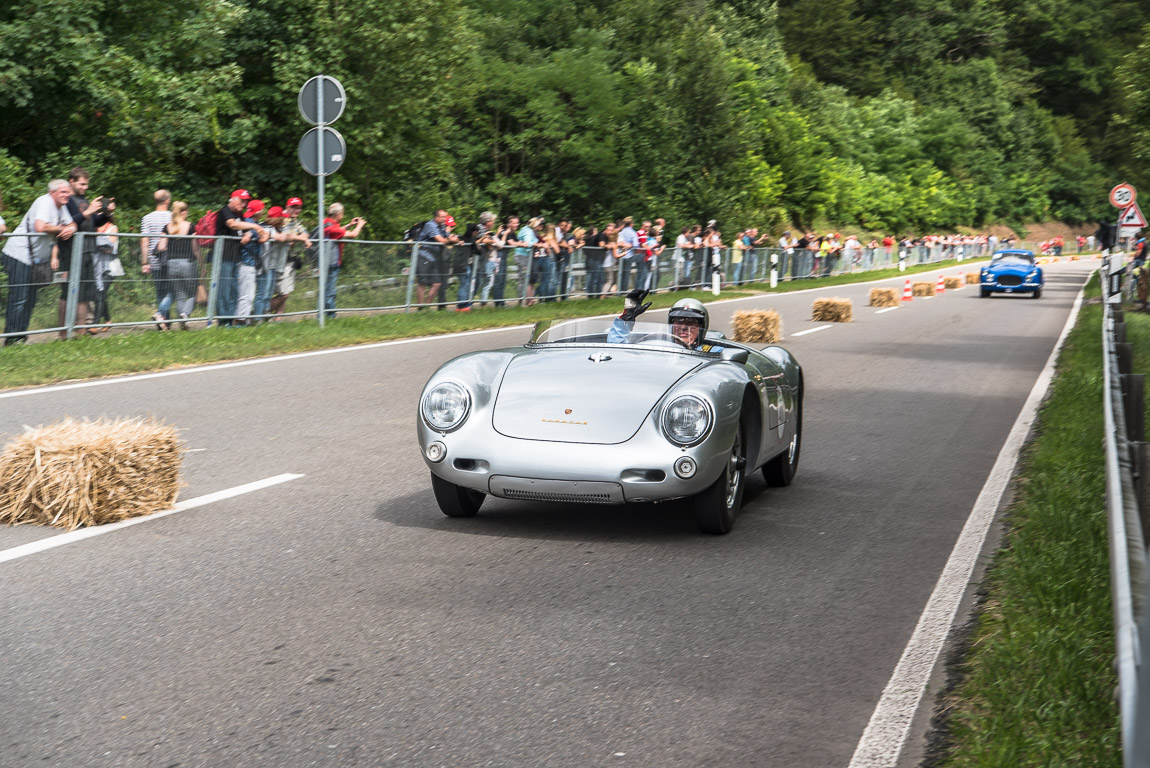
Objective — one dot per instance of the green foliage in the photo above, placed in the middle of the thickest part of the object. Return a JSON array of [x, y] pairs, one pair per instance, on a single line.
[[907, 115]]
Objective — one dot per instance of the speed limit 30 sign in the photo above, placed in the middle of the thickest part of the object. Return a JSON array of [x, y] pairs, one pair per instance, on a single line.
[[1123, 196]]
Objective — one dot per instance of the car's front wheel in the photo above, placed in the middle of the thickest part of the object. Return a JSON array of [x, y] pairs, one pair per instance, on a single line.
[[716, 507], [1038, 293], [984, 292], [455, 500]]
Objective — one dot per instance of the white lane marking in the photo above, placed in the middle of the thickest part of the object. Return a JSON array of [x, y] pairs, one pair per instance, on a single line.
[[253, 361], [86, 533], [888, 309], [926, 298], [889, 725], [811, 330]]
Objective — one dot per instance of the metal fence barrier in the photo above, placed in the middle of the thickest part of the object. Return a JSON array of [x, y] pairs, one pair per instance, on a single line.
[[1127, 505], [379, 276]]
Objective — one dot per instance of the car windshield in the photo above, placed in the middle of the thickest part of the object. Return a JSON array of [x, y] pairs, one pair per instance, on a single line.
[[604, 330], [1013, 257]]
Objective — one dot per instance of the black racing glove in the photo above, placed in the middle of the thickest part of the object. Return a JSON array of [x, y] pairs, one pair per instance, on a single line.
[[633, 305]]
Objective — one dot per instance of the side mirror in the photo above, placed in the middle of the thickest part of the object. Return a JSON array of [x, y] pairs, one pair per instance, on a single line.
[[736, 355]]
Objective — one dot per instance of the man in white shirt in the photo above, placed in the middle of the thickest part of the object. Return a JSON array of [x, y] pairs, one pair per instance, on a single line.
[[152, 227], [26, 258]]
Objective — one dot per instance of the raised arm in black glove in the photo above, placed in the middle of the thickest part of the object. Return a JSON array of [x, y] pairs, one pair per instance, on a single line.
[[633, 305]]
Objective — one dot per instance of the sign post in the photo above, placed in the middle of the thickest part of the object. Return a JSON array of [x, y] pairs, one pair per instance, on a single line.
[[1124, 197], [321, 152]]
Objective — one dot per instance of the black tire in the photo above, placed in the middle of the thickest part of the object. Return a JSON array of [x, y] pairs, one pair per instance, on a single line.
[[1038, 293], [454, 500], [716, 507], [984, 292], [780, 471]]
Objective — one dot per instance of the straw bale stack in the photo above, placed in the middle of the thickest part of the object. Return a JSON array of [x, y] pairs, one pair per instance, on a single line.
[[757, 326], [952, 283], [833, 310], [973, 278], [82, 473], [884, 297], [922, 289], [1074, 257]]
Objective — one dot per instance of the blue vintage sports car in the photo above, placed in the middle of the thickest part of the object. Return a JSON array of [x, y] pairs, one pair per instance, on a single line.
[[1011, 272]]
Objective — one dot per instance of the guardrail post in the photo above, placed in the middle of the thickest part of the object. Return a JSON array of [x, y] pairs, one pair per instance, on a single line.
[[75, 271], [1133, 389], [1119, 333], [411, 275], [214, 280], [1125, 353], [1141, 453]]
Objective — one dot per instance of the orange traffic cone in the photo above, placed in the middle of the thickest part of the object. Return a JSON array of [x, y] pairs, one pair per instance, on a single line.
[[907, 292], [941, 286]]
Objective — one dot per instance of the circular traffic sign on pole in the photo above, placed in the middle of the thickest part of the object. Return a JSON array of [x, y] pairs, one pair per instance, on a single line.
[[322, 159], [334, 100], [1123, 196]]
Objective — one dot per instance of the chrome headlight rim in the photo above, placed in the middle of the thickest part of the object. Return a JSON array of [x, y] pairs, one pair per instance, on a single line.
[[707, 410], [446, 426]]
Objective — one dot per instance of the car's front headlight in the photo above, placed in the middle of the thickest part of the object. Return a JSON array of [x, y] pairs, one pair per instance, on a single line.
[[446, 405], [686, 420]]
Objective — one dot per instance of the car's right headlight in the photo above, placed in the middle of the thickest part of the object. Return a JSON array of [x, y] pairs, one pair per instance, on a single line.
[[446, 405], [686, 420]]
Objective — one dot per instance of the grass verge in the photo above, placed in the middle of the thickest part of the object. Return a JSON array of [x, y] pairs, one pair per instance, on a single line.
[[88, 357], [1035, 685]]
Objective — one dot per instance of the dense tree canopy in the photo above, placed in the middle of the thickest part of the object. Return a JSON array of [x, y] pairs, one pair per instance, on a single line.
[[896, 115]]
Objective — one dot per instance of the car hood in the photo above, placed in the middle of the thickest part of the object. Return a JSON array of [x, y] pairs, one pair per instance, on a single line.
[[1012, 268], [564, 395]]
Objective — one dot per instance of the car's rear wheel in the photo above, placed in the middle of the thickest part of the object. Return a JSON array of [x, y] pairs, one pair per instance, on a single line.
[[716, 507], [455, 500], [780, 471]]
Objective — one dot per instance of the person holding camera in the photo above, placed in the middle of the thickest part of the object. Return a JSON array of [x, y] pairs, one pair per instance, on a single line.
[[428, 269], [88, 217], [332, 230], [297, 241]]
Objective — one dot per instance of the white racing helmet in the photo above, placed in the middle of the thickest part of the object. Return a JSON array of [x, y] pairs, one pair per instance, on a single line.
[[691, 310]]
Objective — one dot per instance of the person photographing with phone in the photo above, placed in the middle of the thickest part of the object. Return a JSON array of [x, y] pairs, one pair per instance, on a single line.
[[88, 217], [333, 230]]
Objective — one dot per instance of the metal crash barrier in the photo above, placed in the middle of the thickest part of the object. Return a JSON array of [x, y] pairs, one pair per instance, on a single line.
[[1127, 505]]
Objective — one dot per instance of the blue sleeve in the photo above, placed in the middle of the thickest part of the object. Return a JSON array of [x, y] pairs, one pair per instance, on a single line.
[[619, 332]]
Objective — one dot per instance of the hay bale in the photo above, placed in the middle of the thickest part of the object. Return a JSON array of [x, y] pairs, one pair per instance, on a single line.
[[884, 297], [82, 473], [953, 283], [923, 289], [833, 310], [1074, 257], [973, 278], [757, 326]]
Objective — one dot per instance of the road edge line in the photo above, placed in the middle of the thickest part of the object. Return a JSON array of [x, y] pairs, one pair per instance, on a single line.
[[886, 733]]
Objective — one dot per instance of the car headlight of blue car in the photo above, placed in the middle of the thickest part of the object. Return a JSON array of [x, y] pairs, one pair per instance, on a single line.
[[445, 406], [687, 420]]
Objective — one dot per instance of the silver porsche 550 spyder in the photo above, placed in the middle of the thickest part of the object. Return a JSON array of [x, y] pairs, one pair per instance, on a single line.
[[583, 413]]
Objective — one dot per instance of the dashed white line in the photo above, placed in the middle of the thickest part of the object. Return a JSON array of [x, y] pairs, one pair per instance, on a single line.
[[86, 533], [888, 309], [811, 330]]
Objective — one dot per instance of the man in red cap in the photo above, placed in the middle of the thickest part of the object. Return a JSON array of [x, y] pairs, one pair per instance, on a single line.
[[334, 230], [230, 224], [251, 261]]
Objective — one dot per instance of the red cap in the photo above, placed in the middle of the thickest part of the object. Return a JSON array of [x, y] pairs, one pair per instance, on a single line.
[[242, 194], [293, 201], [450, 221], [255, 206], [275, 212]]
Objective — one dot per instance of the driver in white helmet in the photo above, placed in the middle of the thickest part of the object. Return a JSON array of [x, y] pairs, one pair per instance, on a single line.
[[687, 320]]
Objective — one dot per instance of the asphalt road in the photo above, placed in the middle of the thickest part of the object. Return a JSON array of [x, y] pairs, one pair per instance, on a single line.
[[341, 619]]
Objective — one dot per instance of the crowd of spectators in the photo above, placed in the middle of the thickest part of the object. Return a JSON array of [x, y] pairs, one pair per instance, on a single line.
[[262, 250]]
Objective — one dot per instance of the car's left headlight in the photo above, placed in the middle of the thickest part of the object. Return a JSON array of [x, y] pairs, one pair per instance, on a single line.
[[446, 405], [686, 420], [1033, 276]]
